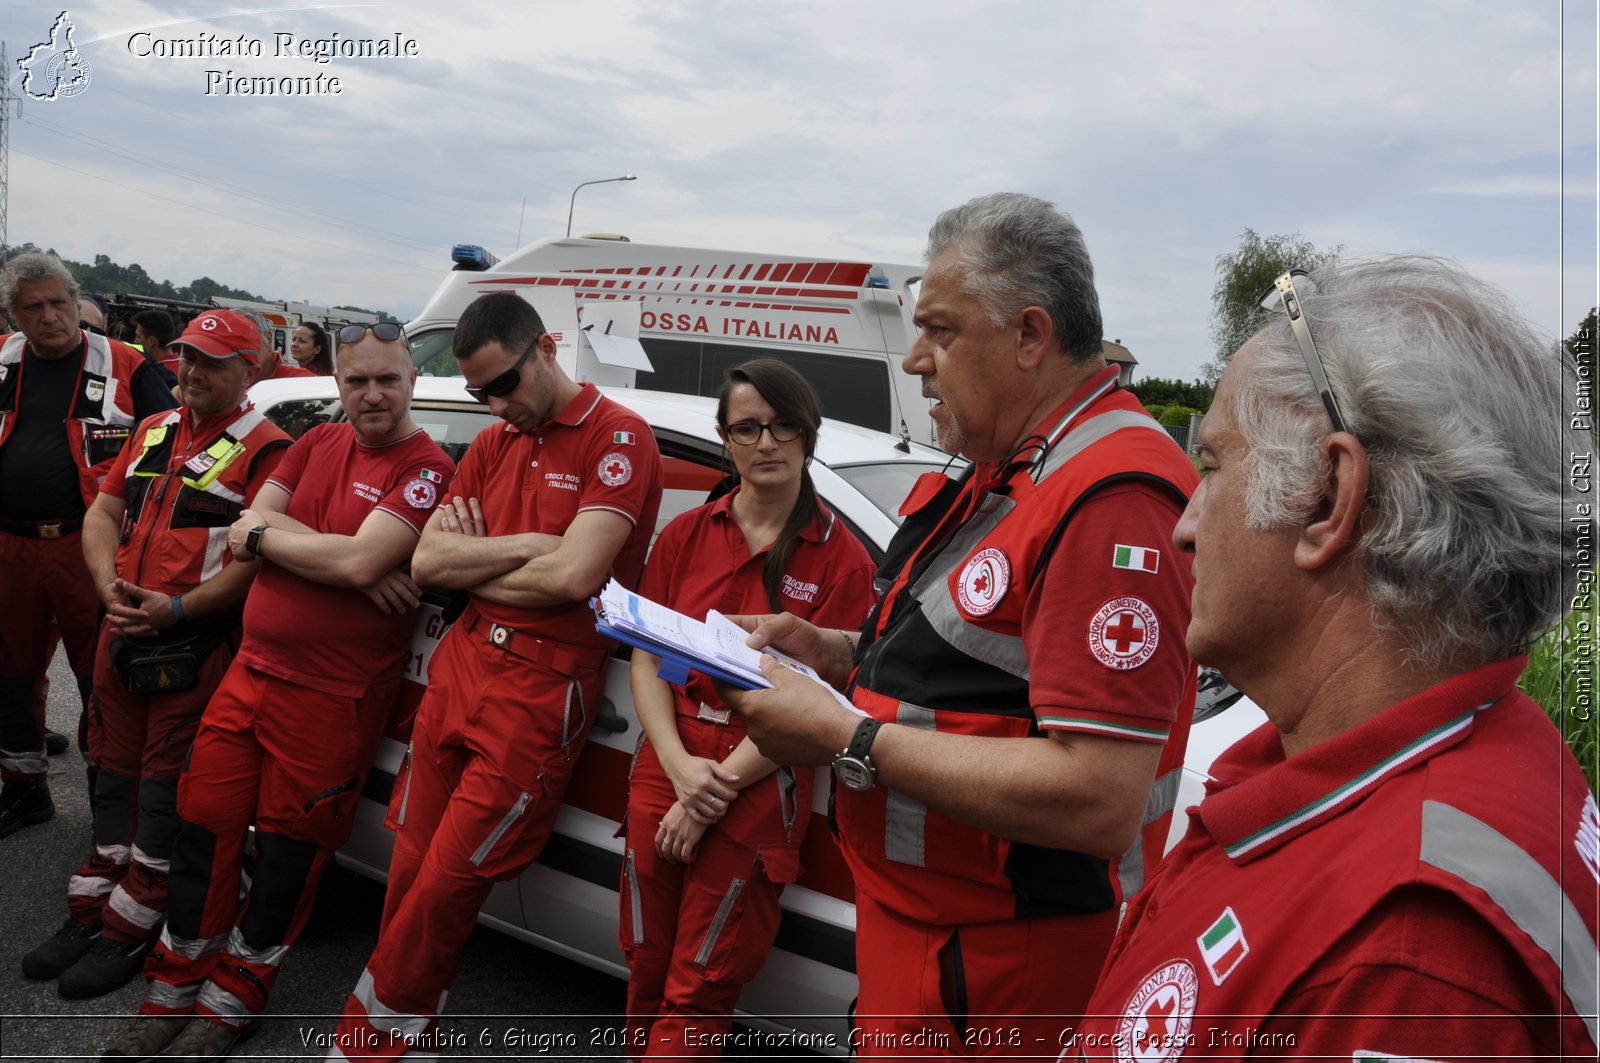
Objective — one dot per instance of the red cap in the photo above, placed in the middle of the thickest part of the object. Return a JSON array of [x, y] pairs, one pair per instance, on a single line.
[[223, 334]]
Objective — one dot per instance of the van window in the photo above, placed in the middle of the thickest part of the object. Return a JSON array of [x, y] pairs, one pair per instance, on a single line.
[[850, 389]]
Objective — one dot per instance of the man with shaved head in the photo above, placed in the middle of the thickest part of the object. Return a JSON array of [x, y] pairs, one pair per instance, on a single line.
[[289, 734]]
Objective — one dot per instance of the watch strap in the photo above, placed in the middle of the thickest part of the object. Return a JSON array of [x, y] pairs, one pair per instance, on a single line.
[[861, 741], [252, 541]]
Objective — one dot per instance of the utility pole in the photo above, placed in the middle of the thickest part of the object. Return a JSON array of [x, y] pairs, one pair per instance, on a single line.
[[6, 98]]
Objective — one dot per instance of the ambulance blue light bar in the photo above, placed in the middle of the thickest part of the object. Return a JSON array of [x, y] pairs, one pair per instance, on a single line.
[[471, 257]]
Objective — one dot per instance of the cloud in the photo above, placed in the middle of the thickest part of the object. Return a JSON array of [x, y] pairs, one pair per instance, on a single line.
[[827, 128]]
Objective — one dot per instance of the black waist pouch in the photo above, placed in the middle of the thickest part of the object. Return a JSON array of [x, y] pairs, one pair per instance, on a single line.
[[168, 663]]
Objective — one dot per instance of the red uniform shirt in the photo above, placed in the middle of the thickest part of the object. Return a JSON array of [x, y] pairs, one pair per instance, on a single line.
[[593, 455], [1396, 891], [334, 639], [155, 554], [288, 370], [701, 562]]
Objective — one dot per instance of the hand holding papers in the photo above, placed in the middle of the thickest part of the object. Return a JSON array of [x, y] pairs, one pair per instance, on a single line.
[[715, 647]]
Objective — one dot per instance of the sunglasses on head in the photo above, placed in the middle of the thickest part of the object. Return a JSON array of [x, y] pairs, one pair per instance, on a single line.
[[506, 382], [385, 331]]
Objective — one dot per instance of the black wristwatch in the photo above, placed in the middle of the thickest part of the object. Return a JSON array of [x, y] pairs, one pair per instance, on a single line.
[[252, 540], [853, 768]]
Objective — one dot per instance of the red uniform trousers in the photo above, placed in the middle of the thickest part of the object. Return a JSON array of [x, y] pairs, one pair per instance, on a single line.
[[291, 761], [1011, 989], [138, 742], [696, 933], [45, 580], [495, 741]]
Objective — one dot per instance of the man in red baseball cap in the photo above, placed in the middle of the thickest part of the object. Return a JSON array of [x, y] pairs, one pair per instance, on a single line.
[[156, 544]]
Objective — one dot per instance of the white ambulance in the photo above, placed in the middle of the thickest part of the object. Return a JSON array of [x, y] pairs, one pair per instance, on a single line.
[[845, 325]]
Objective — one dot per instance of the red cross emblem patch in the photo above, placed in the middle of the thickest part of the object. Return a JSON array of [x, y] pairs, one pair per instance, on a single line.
[[1156, 1022], [983, 582], [1124, 633], [615, 469], [421, 494]]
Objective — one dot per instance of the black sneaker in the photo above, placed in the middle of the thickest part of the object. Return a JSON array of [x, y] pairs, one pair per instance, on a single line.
[[60, 950], [107, 966], [23, 803], [55, 743], [148, 1035]]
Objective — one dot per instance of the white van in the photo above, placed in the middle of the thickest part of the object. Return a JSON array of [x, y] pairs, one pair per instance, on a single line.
[[845, 325]]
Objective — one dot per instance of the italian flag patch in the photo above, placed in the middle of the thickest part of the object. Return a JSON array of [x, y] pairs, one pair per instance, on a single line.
[[429, 474], [1223, 946], [1138, 558], [622, 437]]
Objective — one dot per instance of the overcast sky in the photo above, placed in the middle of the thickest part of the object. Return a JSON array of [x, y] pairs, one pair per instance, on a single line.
[[1462, 127]]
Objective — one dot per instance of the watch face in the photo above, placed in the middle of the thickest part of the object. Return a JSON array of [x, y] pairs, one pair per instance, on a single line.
[[853, 774]]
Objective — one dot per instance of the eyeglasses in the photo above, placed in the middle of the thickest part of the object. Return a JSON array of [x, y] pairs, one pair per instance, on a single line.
[[506, 382], [384, 331], [1283, 297], [748, 433], [96, 329]]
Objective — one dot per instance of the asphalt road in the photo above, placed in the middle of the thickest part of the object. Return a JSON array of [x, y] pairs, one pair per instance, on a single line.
[[510, 999]]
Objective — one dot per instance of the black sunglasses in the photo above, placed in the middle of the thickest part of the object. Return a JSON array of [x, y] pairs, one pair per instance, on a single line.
[[506, 382], [96, 329], [385, 331]]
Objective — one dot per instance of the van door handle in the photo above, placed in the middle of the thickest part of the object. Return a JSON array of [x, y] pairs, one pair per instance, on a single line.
[[608, 719]]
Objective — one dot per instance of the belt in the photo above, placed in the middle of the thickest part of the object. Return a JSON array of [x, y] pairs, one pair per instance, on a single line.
[[51, 529], [568, 660]]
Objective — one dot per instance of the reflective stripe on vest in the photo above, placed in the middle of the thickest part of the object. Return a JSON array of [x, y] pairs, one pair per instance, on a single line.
[[905, 819], [1163, 799], [1476, 853]]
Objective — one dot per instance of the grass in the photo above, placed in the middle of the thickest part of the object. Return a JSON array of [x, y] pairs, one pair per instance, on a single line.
[[1561, 678]]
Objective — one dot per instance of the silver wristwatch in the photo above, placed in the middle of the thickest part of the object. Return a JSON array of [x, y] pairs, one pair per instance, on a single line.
[[853, 767]]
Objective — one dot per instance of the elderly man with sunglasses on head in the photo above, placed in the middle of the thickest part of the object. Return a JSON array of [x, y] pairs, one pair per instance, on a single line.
[[545, 508], [1401, 863], [288, 736]]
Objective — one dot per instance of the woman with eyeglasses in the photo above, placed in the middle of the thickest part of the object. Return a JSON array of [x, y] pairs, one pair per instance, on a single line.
[[310, 349], [713, 828]]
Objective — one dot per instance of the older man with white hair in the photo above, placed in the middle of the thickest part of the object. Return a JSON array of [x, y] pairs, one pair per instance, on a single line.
[[1401, 864], [68, 400]]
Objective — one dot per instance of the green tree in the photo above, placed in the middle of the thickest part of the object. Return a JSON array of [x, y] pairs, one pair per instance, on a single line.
[[1243, 276], [1159, 391]]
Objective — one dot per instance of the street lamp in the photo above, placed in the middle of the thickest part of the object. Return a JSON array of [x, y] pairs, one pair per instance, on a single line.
[[602, 181]]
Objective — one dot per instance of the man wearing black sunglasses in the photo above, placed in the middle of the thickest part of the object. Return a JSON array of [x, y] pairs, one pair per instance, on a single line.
[[544, 509]]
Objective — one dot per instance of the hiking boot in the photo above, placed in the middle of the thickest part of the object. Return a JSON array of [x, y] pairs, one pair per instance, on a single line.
[[148, 1035], [204, 1039], [55, 743], [23, 803], [106, 966], [60, 950]]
